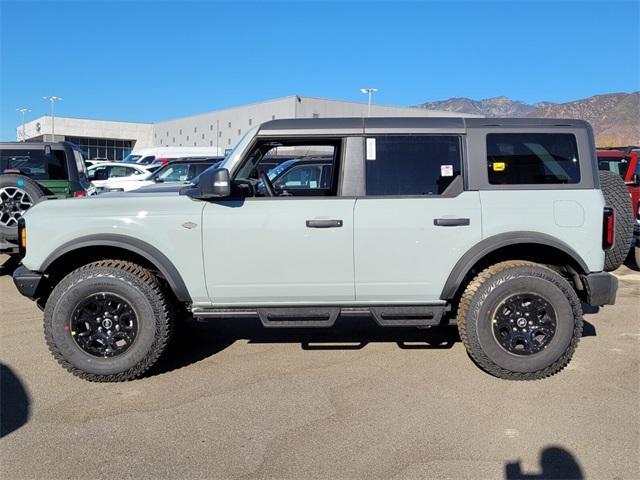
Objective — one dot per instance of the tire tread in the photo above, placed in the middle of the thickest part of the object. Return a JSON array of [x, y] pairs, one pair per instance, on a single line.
[[164, 318], [472, 344]]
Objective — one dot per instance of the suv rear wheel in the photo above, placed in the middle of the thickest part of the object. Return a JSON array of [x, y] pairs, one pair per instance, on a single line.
[[520, 320], [108, 321]]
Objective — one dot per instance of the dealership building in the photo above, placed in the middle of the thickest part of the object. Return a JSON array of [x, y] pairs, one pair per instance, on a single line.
[[219, 129]]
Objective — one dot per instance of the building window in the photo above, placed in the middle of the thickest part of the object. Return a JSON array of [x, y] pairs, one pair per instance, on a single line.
[[187, 138], [229, 124], [167, 133], [211, 143], [211, 128], [174, 140], [316, 115], [160, 141], [181, 133], [273, 117], [219, 134], [250, 121], [155, 135], [203, 136], [229, 141], [194, 144], [239, 131], [195, 129]]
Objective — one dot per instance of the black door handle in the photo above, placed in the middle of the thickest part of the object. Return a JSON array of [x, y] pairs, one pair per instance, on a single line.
[[451, 222], [324, 223]]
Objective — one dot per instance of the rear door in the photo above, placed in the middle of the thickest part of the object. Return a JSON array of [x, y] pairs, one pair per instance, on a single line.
[[415, 221]]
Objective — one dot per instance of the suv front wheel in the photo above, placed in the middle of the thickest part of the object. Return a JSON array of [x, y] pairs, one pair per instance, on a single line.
[[108, 321], [520, 320]]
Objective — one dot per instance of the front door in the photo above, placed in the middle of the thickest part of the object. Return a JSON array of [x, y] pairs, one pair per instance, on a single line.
[[290, 243]]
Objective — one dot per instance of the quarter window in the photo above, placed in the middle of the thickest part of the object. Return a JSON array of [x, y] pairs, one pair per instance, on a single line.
[[532, 158], [411, 164]]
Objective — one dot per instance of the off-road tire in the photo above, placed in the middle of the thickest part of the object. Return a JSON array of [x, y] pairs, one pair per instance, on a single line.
[[137, 286], [485, 292], [28, 186], [616, 196]]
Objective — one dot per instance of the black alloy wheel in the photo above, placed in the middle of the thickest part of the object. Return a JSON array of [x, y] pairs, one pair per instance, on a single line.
[[524, 324], [104, 325]]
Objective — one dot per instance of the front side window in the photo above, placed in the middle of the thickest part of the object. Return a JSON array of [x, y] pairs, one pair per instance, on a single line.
[[121, 172], [293, 167], [411, 164], [532, 158], [174, 173]]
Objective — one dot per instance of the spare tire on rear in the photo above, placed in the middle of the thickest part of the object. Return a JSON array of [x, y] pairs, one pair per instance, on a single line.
[[617, 197], [17, 194]]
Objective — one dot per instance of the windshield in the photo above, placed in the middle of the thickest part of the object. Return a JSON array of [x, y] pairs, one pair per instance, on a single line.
[[132, 158], [274, 172], [234, 156], [618, 165]]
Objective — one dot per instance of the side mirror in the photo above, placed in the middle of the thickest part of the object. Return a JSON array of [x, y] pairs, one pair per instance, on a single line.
[[101, 174], [635, 180], [212, 184]]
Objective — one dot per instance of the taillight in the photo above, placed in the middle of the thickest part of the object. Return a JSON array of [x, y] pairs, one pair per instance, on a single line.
[[22, 237], [79, 194], [608, 228]]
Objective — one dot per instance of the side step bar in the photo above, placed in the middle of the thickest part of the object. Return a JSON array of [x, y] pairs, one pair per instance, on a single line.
[[325, 316]]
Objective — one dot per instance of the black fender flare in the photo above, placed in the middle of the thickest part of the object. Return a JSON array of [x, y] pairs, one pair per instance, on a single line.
[[495, 242], [144, 249]]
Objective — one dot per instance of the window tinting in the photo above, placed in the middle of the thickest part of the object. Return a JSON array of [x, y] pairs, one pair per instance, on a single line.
[[35, 164], [532, 158], [411, 165]]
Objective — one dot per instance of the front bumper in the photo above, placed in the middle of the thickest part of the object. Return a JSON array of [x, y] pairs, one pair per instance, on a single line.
[[601, 288], [26, 281]]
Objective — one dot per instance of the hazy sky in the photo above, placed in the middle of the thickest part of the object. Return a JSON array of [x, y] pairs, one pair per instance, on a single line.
[[148, 61]]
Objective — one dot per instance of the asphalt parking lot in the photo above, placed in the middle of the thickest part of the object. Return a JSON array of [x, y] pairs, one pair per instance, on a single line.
[[234, 400]]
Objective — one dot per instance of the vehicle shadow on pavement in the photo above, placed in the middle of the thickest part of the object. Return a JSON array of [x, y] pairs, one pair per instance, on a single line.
[[555, 463], [194, 341], [15, 402]]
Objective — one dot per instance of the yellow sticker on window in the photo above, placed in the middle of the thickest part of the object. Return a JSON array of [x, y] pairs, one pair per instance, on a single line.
[[499, 166]]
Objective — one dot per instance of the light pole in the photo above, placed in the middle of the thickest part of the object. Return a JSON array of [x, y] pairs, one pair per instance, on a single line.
[[53, 99], [369, 91], [23, 111]]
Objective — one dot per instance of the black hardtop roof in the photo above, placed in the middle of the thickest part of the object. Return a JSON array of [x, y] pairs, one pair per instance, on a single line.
[[357, 123]]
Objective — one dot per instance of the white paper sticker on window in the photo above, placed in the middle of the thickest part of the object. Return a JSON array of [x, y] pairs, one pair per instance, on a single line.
[[371, 148], [446, 170]]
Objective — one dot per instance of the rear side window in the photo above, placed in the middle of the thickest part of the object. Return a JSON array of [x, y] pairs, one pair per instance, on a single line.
[[411, 164], [532, 158], [35, 164]]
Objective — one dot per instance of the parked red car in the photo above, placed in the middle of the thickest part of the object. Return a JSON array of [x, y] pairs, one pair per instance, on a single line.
[[624, 161]]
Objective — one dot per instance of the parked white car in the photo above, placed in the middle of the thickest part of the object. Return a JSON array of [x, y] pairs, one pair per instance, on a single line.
[[162, 155], [108, 176]]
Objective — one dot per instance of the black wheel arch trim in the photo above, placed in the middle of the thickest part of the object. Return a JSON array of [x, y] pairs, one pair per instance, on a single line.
[[495, 242], [134, 245]]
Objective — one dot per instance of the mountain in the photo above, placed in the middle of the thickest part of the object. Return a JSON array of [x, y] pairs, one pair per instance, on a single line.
[[615, 117]]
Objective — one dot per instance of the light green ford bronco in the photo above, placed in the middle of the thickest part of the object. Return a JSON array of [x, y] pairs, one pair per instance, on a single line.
[[496, 225]]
